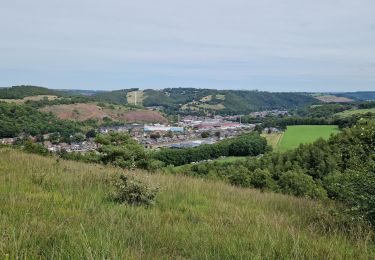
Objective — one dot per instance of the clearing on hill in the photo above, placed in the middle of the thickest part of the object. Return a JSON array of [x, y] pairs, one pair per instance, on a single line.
[[61, 209], [85, 111], [33, 98], [301, 134], [333, 99], [135, 97]]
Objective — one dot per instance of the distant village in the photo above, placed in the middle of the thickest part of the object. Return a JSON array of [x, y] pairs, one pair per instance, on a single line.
[[190, 131]]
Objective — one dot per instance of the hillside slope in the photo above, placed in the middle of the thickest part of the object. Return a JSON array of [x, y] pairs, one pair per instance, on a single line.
[[60, 209], [85, 111], [180, 99], [225, 101]]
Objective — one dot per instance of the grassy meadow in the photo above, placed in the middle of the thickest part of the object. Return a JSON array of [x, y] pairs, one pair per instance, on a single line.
[[347, 113], [298, 134], [52, 209]]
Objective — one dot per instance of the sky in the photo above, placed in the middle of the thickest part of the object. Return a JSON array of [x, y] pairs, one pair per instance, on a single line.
[[272, 45]]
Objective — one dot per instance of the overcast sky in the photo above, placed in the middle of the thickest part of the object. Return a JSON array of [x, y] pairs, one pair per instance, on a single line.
[[276, 45]]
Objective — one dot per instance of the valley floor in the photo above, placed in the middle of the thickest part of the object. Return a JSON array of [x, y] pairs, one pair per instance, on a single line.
[[60, 209]]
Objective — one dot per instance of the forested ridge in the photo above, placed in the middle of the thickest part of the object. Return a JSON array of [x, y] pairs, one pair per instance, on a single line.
[[234, 101], [19, 92]]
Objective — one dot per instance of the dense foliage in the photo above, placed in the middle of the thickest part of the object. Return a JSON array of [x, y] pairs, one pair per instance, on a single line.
[[21, 119], [323, 111], [237, 101], [19, 92], [234, 101], [245, 145], [60, 101]]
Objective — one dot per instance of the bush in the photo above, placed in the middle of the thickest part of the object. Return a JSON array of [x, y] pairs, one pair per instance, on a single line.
[[205, 134], [131, 190], [262, 179], [37, 148], [354, 189], [301, 185], [239, 176], [154, 165]]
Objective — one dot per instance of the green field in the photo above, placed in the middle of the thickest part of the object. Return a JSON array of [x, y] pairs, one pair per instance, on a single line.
[[296, 135], [355, 111], [53, 209]]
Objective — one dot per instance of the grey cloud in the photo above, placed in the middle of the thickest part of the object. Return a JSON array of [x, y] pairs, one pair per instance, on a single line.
[[238, 38]]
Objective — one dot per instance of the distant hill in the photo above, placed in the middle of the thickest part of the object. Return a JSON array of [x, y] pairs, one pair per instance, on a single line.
[[115, 96], [222, 101], [178, 99], [359, 95], [20, 92]]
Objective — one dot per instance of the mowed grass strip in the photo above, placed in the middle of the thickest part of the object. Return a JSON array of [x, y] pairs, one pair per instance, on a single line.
[[60, 210], [273, 139], [302, 134]]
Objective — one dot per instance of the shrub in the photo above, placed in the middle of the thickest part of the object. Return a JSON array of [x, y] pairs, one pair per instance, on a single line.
[[262, 179], [132, 190], [239, 176], [301, 185], [205, 134], [37, 148], [354, 189], [154, 165]]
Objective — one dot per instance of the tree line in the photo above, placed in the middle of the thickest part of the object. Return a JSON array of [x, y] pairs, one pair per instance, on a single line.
[[251, 144]]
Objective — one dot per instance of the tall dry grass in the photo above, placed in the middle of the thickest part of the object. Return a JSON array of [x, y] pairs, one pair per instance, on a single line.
[[60, 210]]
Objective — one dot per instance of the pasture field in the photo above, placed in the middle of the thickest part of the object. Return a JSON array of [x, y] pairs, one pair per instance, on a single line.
[[53, 209], [299, 134], [355, 111]]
